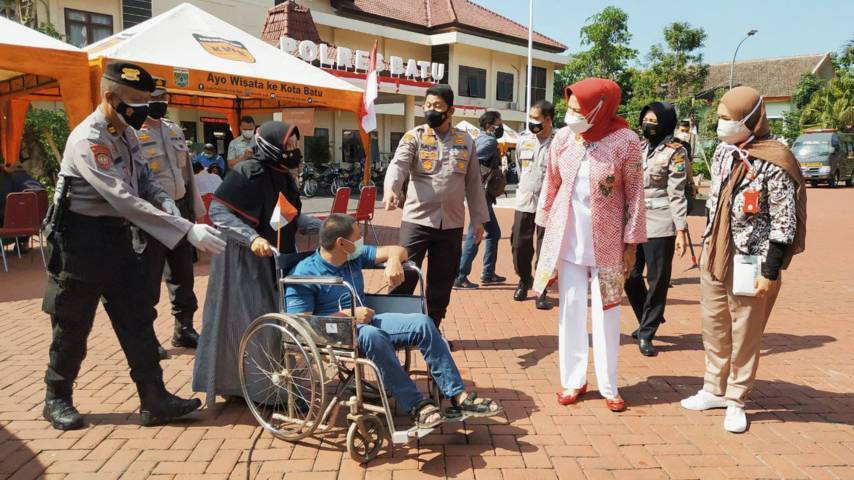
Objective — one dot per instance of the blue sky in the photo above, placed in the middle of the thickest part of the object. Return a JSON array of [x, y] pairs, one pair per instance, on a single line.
[[786, 27]]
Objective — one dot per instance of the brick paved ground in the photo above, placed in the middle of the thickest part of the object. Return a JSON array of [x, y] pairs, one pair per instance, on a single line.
[[800, 410]]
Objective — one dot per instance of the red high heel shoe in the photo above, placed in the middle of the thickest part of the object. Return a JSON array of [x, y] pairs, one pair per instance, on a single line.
[[564, 399], [615, 405]]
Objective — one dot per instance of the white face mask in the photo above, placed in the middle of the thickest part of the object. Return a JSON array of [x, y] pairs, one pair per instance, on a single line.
[[579, 123], [360, 246], [247, 134], [734, 132]]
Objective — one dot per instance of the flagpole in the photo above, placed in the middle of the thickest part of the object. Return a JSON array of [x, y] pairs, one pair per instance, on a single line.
[[279, 234], [530, 58]]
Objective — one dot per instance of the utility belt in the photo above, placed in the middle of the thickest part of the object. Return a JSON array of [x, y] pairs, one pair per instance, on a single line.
[[102, 223], [659, 202]]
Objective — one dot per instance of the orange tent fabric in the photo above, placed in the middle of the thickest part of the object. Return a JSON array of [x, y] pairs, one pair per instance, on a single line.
[[35, 67]]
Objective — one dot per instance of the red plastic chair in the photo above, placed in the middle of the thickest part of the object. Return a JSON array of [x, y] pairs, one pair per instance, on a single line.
[[44, 203], [21, 220], [207, 199], [365, 209]]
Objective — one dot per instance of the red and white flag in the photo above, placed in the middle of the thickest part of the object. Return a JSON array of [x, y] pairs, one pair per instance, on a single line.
[[283, 214], [369, 113]]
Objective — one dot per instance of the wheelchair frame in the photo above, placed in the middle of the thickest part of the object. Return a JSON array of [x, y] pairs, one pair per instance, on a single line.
[[319, 342]]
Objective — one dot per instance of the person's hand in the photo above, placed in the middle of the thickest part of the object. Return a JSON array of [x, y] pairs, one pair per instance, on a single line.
[[390, 201], [478, 233], [681, 243], [364, 315], [171, 208], [629, 258], [205, 238], [261, 247], [393, 274], [247, 153], [763, 285]]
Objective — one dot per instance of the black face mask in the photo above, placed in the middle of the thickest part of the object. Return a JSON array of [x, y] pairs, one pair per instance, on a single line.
[[157, 110], [535, 128], [650, 130], [434, 118], [499, 131], [136, 119], [292, 158]]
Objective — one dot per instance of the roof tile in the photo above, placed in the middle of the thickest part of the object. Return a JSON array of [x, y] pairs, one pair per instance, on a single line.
[[772, 77]]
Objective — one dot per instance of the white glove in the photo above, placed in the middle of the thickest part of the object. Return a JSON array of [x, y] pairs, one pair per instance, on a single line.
[[171, 208], [205, 238]]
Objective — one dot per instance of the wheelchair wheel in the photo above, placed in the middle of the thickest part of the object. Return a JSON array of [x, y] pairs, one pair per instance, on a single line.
[[281, 376], [364, 444]]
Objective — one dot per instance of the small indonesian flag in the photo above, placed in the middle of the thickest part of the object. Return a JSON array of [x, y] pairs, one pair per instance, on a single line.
[[368, 112], [283, 213]]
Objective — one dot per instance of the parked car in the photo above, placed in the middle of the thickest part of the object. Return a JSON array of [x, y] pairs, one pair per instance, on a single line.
[[826, 156]]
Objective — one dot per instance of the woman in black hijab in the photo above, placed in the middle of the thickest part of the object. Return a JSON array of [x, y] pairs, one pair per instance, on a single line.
[[242, 284], [665, 162]]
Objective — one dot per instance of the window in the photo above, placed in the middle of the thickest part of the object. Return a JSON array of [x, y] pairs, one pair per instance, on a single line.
[[538, 84], [189, 129], [472, 82], [83, 28], [316, 149], [504, 87], [352, 150], [441, 54], [395, 138]]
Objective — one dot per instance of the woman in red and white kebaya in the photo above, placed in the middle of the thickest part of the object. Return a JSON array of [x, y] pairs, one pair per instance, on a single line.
[[592, 207]]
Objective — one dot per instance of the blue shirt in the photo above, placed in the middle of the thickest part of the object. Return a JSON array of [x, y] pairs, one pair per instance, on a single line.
[[206, 161], [324, 299], [487, 150]]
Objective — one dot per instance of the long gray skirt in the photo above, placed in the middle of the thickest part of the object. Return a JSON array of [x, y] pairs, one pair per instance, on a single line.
[[241, 287]]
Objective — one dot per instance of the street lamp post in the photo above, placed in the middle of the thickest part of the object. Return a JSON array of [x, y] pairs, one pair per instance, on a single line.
[[732, 66], [530, 59]]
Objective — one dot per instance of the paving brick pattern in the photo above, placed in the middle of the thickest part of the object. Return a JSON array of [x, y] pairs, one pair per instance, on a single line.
[[800, 410]]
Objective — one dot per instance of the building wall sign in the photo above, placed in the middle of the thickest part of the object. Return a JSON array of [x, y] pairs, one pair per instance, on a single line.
[[331, 56]]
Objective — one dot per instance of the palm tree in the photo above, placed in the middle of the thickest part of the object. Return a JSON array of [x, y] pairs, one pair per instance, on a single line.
[[833, 105]]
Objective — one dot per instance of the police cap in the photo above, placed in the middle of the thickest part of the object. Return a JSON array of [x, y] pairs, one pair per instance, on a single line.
[[130, 75]]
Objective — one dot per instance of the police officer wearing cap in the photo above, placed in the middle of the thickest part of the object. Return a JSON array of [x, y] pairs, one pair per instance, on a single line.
[[531, 163], [105, 187], [164, 148], [434, 170], [664, 179]]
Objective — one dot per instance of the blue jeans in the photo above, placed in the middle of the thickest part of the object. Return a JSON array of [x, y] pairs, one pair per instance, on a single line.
[[387, 331], [490, 250]]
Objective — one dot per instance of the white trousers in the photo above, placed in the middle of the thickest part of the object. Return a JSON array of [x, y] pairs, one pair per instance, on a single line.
[[575, 282]]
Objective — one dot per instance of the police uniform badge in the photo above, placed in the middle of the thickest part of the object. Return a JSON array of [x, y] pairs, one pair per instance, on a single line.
[[426, 164], [458, 138], [679, 162], [461, 165], [102, 156], [144, 136], [408, 137], [130, 74], [154, 166], [427, 138]]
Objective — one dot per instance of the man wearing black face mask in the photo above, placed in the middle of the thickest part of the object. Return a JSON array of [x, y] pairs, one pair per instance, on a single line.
[[104, 187], [437, 164], [165, 150]]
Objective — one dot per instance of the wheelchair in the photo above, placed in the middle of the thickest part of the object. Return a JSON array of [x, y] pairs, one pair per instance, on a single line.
[[289, 365]]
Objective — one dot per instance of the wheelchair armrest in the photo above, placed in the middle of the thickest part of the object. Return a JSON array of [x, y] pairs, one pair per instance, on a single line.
[[407, 265], [312, 280]]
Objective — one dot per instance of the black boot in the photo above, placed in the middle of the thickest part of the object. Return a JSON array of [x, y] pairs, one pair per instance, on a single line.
[[162, 353], [62, 415], [521, 292], [646, 348], [185, 335], [157, 406]]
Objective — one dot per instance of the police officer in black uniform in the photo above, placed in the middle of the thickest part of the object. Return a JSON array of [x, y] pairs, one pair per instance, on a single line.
[[104, 187]]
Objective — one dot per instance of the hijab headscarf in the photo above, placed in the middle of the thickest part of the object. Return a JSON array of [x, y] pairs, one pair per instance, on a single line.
[[666, 114], [271, 139], [589, 93], [740, 102]]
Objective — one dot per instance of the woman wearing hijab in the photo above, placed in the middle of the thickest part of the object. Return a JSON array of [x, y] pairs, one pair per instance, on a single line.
[[242, 284], [757, 216], [664, 181], [592, 209]]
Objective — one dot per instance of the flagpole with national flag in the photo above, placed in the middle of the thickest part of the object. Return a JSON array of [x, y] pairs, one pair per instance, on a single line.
[[368, 120], [283, 213]]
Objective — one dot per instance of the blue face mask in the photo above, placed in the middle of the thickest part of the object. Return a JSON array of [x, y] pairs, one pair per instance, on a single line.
[[360, 246]]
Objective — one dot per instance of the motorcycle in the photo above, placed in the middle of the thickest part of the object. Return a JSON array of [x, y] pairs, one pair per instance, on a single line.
[[308, 181]]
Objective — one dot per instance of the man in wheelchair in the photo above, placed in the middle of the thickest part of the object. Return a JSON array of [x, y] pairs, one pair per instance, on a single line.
[[343, 254]]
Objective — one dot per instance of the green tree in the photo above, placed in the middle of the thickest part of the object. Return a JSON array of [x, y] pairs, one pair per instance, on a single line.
[[833, 105], [791, 124], [674, 71], [606, 38]]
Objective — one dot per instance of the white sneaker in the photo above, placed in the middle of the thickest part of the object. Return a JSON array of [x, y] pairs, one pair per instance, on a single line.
[[735, 420], [703, 400]]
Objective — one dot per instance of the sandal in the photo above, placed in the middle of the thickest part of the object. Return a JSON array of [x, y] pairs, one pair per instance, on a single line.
[[484, 408], [424, 411]]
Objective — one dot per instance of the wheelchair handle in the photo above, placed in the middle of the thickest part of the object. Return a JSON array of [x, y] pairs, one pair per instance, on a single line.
[[312, 279]]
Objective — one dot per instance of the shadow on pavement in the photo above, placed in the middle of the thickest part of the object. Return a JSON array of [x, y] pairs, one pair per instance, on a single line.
[[769, 400], [17, 459]]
